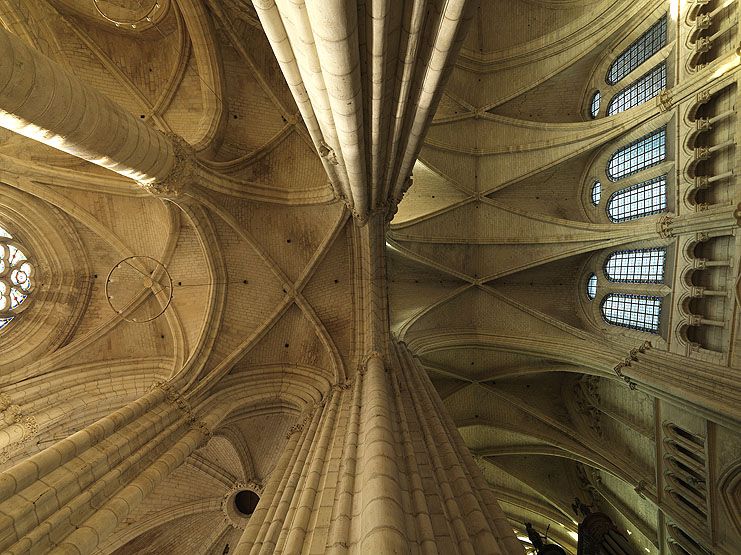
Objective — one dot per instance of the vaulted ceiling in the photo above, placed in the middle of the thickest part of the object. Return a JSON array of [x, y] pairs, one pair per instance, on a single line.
[[485, 256]]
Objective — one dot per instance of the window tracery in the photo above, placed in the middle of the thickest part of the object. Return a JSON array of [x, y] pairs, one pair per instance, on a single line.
[[16, 278], [638, 312], [645, 46], [636, 266], [641, 90], [642, 153], [637, 201]]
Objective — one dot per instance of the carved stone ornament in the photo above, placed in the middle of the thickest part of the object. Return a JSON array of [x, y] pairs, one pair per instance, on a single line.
[[177, 184]]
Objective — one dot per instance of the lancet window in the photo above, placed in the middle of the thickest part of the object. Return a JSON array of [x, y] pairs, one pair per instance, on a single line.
[[644, 88], [645, 46], [638, 312], [642, 199], [642, 153], [636, 266]]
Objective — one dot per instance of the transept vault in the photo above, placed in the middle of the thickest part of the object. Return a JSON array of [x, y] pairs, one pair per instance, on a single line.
[[369, 277]]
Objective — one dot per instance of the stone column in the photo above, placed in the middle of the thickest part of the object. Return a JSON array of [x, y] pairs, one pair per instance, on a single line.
[[377, 467], [43, 101], [69, 497], [367, 78]]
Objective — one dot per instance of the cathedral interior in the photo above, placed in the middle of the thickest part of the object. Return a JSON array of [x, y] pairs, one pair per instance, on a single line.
[[354, 276]]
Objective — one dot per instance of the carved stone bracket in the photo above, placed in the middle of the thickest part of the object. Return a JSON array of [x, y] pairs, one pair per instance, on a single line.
[[632, 357], [663, 227], [182, 175], [664, 100], [174, 398]]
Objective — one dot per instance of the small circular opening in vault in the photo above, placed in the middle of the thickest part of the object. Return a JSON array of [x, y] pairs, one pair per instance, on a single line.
[[246, 501]]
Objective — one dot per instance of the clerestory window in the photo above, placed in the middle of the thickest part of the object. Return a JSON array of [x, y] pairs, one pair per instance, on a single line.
[[642, 199], [645, 46], [636, 266], [638, 312], [596, 192], [642, 153], [594, 105], [592, 287], [638, 92], [16, 282]]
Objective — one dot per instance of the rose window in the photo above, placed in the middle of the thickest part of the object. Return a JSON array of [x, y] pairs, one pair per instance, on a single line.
[[16, 278]]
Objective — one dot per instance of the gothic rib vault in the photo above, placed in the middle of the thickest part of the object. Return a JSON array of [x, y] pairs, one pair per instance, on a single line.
[[331, 321]]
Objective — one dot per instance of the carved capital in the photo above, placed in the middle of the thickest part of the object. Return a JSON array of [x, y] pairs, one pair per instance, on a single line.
[[703, 44], [177, 184], [327, 153], [702, 182], [665, 100], [663, 227]]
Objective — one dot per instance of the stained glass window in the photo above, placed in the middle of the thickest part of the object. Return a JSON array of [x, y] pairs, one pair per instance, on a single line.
[[596, 192], [592, 286], [642, 153], [636, 266], [594, 105], [16, 278], [642, 199], [645, 46], [638, 312], [641, 90]]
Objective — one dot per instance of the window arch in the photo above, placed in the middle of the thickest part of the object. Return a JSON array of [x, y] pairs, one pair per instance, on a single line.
[[636, 266], [594, 104], [642, 153], [637, 201], [596, 192], [16, 278], [592, 287], [645, 46], [638, 312], [644, 88]]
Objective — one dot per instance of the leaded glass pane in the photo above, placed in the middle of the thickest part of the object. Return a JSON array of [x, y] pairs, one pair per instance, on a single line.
[[594, 106], [596, 192], [641, 90], [645, 46], [16, 278], [642, 153], [642, 199], [638, 312], [636, 266], [592, 286]]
